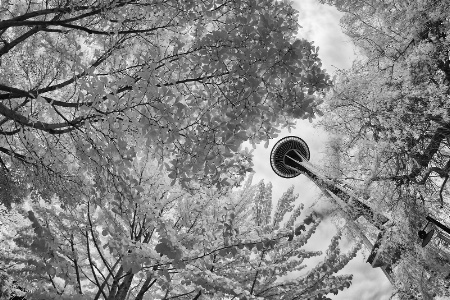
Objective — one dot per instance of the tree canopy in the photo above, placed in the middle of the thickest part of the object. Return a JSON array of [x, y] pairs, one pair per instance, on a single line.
[[121, 126], [191, 81], [140, 238], [390, 116]]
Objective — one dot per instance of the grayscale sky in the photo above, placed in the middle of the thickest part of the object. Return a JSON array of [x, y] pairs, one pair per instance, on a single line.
[[321, 24]]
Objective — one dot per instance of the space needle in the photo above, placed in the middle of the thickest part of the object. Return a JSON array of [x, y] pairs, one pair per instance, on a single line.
[[290, 158]]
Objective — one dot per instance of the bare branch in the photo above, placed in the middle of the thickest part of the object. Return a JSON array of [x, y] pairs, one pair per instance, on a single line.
[[75, 262], [92, 267], [4, 24], [441, 190]]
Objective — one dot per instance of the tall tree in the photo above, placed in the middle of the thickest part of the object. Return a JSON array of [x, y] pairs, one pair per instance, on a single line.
[[137, 237], [191, 80], [392, 117]]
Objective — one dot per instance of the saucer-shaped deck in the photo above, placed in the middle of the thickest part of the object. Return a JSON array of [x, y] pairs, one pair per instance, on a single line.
[[282, 157]]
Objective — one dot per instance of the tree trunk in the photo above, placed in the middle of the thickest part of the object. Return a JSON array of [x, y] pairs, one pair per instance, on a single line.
[[115, 285], [124, 286], [145, 287]]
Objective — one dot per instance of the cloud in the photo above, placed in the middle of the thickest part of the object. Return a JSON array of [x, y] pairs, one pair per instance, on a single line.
[[368, 283], [321, 24]]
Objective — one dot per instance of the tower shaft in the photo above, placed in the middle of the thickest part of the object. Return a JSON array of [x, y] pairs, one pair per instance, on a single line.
[[345, 197]]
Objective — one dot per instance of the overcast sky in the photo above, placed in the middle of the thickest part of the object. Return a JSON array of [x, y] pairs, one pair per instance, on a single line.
[[321, 24]]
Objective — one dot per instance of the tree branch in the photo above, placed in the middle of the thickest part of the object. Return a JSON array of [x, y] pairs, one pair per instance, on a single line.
[[181, 295], [13, 132], [95, 242], [75, 262], [100, 291], [441, 190], [256, 275], [4, 24], [14, 154], [8, 46], [92, 268], [198, 295], [92, 31]]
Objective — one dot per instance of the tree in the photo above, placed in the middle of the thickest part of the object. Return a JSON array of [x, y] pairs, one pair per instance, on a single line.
[[137, 237], [391, 115], [192, 81]]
